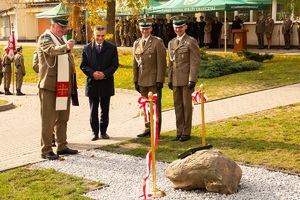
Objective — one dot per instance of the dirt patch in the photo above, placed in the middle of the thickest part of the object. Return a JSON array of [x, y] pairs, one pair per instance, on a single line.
[[124, 147]]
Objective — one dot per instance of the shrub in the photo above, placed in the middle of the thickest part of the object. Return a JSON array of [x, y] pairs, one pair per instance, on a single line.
[[215, 66], [255, 56]]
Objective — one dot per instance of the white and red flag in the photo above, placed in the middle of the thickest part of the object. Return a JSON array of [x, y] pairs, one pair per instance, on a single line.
[[10, 50]]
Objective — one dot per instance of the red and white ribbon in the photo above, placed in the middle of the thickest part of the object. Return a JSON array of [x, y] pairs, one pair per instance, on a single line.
[[196, 97], [144, 104]]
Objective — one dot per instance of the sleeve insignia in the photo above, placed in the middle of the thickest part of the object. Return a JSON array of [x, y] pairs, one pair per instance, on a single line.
[[47, 38]]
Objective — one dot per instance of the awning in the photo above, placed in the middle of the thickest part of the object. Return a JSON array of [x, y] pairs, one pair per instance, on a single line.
[[58, 11]]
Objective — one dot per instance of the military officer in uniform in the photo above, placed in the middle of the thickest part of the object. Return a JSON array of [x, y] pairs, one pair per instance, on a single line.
[[298, 30], [1, 74], [19, 70], [149, 66], [56, 69], [260, 30], [6, 64], [184, 64], [287, 30]]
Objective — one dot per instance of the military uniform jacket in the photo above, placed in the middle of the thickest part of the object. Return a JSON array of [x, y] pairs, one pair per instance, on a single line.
[[260, 26], [7, 64], [47, 58], [184, 62], [19, 64], [269, 25], [149, 65], [107, 62], [287, 27]]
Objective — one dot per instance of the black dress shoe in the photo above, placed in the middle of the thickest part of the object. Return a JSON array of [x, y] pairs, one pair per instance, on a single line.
[[50, 156], [104, 136], [145, 134], [1, 92], [176, 138], [95, 137], [184, 138], [67, 151]]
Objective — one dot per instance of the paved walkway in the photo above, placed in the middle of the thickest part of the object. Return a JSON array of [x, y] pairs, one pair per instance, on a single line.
[[20, 127]]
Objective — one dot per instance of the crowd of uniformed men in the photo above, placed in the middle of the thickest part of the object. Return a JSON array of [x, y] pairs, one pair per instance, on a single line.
[[127, 31]]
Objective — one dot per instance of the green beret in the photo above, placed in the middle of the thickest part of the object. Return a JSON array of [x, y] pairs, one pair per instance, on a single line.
[[62, 21], [179, 20]]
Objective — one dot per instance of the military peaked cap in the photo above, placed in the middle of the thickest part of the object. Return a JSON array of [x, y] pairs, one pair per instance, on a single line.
[[145, 22], [19, 48], [62, 21], [178, 20]]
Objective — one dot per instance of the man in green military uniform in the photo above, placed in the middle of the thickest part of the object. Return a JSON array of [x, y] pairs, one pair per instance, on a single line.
[[184, 64], [6, 64], [287, 30], [56, 68], [149, 66], [19, 70]]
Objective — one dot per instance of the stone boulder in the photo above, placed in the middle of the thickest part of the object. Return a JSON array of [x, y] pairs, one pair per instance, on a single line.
[[205, 169]]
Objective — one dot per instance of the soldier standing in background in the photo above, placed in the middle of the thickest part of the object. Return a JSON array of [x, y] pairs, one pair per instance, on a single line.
[[117, 33], [287, 30], [269, 29], [259, 30], [1, 74], [6, 64], [19, 70], [298, 30]]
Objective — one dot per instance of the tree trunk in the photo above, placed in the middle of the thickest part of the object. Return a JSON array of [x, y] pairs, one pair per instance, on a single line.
[[111, 10]]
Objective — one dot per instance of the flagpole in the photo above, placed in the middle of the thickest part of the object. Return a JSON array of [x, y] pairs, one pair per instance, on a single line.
[[13, 65]]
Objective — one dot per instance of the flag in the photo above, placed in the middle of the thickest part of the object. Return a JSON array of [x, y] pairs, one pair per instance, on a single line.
[[10, 50]]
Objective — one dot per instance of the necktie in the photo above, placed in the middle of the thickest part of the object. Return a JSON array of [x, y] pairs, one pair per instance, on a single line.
[[99, 48], [144, 42], [177, 42]]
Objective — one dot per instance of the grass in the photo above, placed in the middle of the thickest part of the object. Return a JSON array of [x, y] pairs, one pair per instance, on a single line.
[[269, 138], [3, 102], [26, 183]]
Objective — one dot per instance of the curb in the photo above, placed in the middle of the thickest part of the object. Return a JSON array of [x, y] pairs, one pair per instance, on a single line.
[[7, 106]]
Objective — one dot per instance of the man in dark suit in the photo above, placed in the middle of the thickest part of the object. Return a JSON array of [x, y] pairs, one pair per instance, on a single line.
[[202, 24], [99, 61], [216, 28], [184, 65], [236, 24], [149, 67]]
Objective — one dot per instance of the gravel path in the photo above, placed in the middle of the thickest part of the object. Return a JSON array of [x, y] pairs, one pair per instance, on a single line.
[[124, 176]]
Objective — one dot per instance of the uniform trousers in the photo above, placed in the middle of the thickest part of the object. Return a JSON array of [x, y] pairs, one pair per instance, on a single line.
[[183, 109], [53, 121], [144, 92], [19, 80], [7, 79], [287, 40], [104, 103], [260, 39]]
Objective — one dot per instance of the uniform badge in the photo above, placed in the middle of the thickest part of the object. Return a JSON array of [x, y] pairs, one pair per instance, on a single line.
[[47, 38]]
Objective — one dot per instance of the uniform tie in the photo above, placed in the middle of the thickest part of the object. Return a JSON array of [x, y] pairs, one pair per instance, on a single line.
[[144, 43], [177, 42], [98, 48]]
